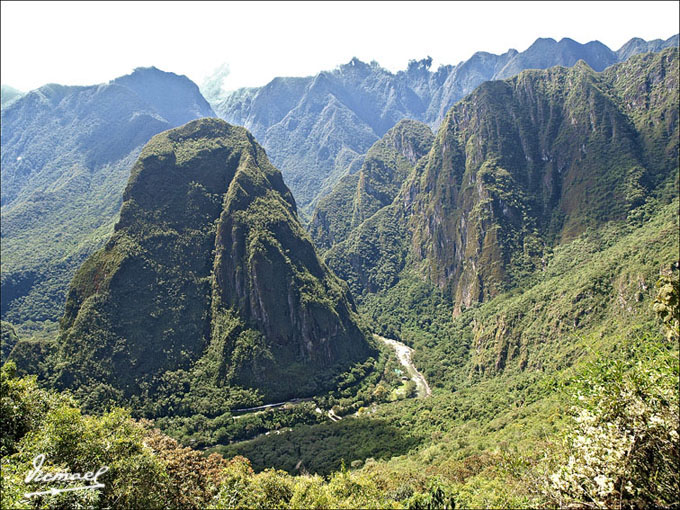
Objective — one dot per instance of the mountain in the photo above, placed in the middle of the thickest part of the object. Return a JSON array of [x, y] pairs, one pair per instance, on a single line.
[[314, 128], [637, 45], [8, 95], [564, 255], [208, 284], [561, 254], [66, 156], [374, 185], [518, 167], [526, 254]]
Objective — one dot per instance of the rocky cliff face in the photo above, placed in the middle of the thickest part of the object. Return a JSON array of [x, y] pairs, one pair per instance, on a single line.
[[208, 265], [520, 165]]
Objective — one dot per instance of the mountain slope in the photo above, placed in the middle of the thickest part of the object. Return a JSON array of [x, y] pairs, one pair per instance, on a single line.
[[359, 195], [66, 155], [208, 273], [520, 166], [315, 127]]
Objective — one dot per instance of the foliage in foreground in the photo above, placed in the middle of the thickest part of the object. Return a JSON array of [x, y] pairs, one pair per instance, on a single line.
[[147, 469], [625, 443], [500, 442]]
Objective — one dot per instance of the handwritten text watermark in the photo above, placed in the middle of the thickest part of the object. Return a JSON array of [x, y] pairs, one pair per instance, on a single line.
[[36, 475]]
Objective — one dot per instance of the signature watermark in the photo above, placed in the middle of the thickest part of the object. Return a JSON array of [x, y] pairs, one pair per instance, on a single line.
[[36, 475]]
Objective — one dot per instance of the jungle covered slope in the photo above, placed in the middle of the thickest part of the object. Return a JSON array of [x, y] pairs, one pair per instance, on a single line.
[[555, 387], [517, 168], [375, 185], [512, 376], [601, 432], [575, 326], [208, 287]]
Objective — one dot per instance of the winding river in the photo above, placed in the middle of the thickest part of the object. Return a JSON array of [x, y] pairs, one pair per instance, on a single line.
[[404, 354]]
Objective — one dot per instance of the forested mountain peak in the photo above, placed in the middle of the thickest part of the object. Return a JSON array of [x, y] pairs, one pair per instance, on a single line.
[[519, 166], [66, 156], [208, 271]]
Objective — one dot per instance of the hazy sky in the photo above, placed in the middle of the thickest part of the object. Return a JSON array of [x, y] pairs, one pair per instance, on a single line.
[[81, 43]]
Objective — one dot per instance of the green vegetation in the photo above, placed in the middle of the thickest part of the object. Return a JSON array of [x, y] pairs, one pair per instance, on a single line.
[[503, 440], [8, 339], [530, 258], [208, 297], [624, 447], [603, 432], [599, 283], [359, 195], [563, 294], [146, 469]]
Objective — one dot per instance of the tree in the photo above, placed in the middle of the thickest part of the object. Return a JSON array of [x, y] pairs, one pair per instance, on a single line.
[[624, 446]]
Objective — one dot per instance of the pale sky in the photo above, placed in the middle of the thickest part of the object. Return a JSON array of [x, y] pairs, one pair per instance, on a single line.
[[83, 43]]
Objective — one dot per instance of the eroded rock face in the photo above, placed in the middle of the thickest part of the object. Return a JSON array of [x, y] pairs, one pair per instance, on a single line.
[[517, 167], [534, 160], [208, 260]]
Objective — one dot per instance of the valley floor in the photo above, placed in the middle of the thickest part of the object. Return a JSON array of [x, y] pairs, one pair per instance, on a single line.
[[404, 353]]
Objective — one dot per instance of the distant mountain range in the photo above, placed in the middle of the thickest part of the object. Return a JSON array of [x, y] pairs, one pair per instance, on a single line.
[[314, 128]]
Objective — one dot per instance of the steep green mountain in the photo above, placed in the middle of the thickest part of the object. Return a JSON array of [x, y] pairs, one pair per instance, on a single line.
[[208, 286], [518, 167], [519, 380], [8, 95], [375, 185], [66, 156], [314, 128]]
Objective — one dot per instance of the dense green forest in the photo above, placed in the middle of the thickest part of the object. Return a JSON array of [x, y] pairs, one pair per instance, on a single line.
[[603, 432]]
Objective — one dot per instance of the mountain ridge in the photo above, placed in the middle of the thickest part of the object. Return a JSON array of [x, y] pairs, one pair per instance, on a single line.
[[209, 266], [326, 121], [547, 154]]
